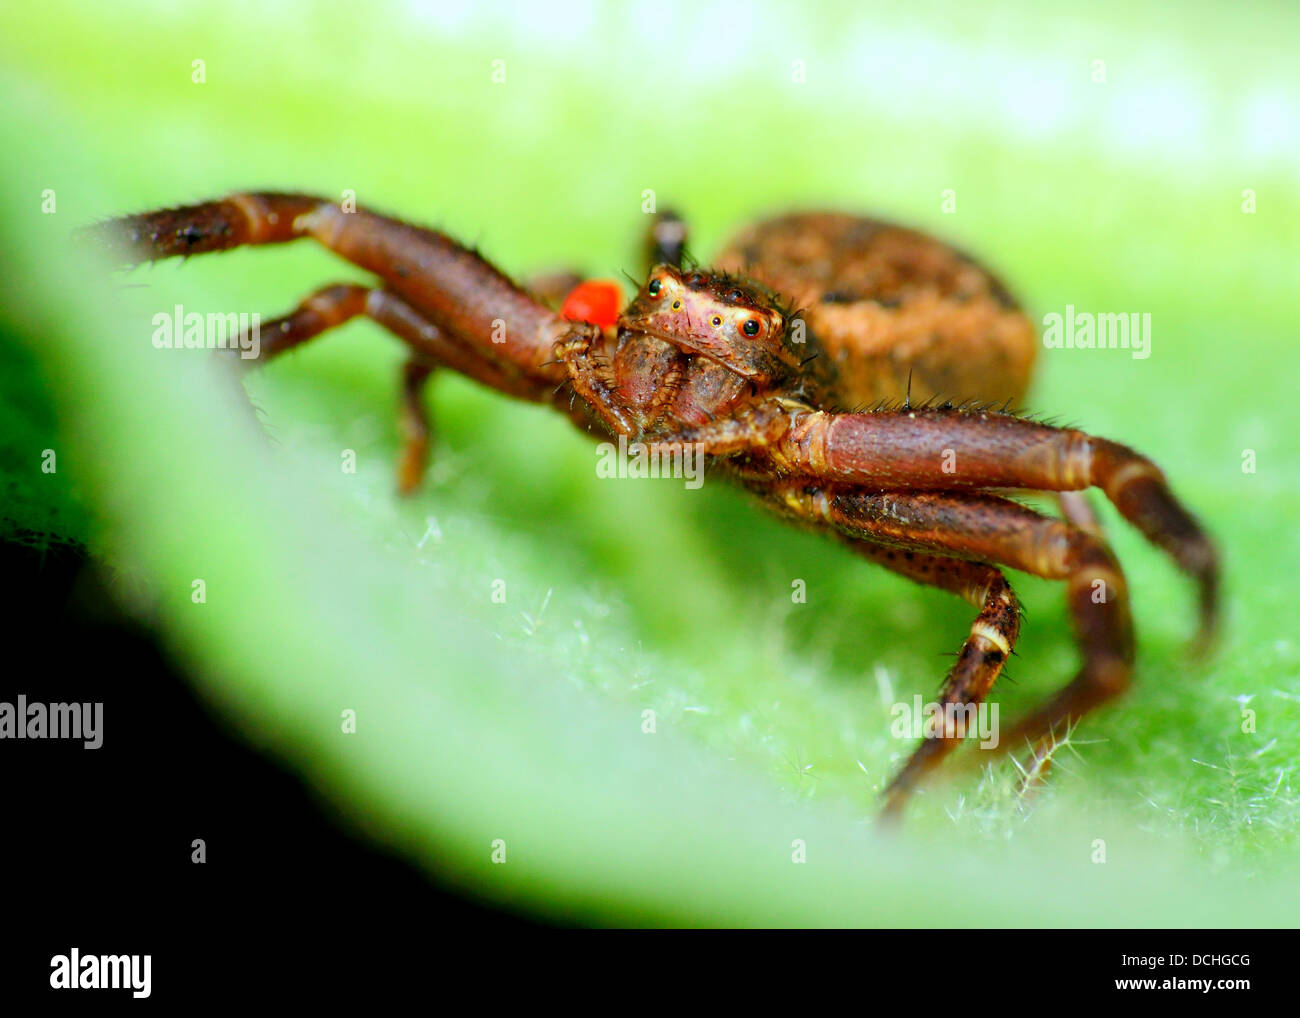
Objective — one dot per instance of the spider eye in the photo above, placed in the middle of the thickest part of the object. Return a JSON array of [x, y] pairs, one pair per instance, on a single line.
[[715, 321], [736, 295], [751, 327], [677, 305], [653, 288]]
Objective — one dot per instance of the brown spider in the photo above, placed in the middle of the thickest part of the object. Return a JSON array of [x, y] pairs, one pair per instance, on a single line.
[[715, 358]]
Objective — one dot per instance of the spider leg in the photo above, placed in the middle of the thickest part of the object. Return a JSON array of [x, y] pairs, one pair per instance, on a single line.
[[984, 528], [417, 432], [666, 240], [931, 449], [974, 449], [980, 661], [451, 286], [430, 347], [592, 375], [1077, 508]]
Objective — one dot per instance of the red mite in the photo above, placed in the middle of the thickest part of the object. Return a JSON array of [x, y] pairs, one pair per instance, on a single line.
[[597, 301]]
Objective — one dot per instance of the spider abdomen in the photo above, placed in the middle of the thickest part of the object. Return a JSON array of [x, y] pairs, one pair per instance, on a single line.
[[888, 304]]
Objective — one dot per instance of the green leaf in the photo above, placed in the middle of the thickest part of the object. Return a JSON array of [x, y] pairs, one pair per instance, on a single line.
[[523, 721]]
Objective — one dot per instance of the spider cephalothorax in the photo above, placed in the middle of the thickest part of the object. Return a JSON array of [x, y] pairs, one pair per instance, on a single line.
[[810, 410], [736, 323], [691, 347]]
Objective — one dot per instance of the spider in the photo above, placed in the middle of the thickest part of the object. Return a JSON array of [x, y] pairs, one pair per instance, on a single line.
[[811, 410]]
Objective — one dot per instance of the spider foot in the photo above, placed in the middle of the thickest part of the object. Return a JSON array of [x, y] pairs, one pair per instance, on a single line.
[[417, 432]]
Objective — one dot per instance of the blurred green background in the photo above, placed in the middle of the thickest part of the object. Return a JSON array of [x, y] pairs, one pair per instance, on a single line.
[[1102, 158]]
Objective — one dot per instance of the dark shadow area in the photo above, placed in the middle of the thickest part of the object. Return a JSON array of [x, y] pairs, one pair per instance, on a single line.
[[97, 844]]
